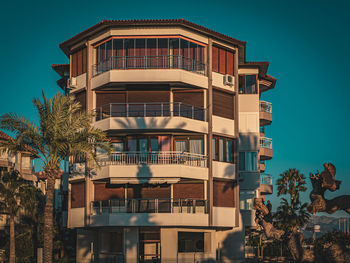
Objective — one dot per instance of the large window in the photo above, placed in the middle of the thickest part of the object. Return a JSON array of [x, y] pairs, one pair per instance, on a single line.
[[248, 161], [223, 149], [222, 60], [149, 53], [246, 199], [248, 84], [190, 242]]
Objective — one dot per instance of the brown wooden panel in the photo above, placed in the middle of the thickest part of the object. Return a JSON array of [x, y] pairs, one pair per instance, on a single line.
[[223, 193], [195, 98], [229, 63], [222, 61], [140, 96], [102, 192], [149, 191], [79, 62], [74, 65], [215, 57], [106, 97], [77, 195], [81, 98], [223, 104], [189, 190], [84, 59]]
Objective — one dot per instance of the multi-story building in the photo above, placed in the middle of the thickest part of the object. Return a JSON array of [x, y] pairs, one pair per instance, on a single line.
[[181, 106]]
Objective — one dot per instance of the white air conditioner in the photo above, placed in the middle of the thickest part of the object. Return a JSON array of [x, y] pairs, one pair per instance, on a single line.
[[73, 82], [77, 168], [229, 80]]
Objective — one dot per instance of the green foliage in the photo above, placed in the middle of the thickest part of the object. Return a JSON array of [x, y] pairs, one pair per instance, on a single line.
[[291, 213]]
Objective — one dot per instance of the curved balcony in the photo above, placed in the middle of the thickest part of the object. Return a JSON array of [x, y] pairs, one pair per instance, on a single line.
[[265, 148], [146, 165], [266, 186], [149, 69], [149, 212], [265, 113], [152, 116]]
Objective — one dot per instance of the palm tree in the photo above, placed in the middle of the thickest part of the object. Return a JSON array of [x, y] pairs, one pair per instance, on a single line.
[[63, 130], [15, 195]]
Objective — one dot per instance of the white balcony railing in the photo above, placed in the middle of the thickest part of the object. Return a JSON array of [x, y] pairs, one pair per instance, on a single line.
[[265, 106], [265, 143], [154, 158], [155, 109], [143, 205], [266, 179]]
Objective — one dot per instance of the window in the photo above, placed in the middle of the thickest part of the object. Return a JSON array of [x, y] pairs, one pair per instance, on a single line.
[[223, 104], [190, 242], [191, 144], [248, 84], [248, 161], [111, 242], [223, 149], [246, 200], [222, 61]]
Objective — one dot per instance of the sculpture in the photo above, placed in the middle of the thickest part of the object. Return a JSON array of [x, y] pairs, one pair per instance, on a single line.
[[322, 182]]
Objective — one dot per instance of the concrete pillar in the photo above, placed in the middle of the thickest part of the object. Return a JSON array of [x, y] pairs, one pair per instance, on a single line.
[[131, 241], [168, 245]]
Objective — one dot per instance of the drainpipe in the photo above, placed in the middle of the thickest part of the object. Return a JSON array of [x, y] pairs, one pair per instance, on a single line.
[[210, 131]]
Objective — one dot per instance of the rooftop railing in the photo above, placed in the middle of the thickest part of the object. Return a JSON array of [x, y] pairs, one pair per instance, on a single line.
[[265, 143], [157, 109], [149, 62], [155, 158], [154, 205], [266, 179], [265, 106]]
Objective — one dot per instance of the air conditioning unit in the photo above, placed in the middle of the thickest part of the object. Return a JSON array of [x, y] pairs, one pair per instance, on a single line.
[[73, 82], [229, 80], [77, 168]]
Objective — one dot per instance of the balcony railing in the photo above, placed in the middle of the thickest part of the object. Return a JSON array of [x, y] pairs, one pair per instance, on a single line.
[[142, 205], [266, 179], [149, 62], [265, 143], [265, 106], [158, 109], [154, 158]]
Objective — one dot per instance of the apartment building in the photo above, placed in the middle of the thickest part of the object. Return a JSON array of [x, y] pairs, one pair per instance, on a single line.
[[181, 106]]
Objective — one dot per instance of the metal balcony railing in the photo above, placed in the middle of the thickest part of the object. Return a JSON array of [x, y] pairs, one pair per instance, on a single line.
[[266, 179], [143, 205], [149, 62], [265, 143], [265, 106], [154, 158], [157, 109]]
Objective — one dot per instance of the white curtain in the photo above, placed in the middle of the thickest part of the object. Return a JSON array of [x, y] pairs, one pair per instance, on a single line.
[[221, 150], [181, 146], [196, 146]]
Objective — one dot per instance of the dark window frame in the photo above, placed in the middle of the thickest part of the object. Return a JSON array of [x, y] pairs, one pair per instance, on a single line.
[[217, 148]]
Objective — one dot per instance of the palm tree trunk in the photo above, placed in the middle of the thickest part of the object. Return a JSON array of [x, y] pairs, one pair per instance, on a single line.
[[48, 219], [12, 240]]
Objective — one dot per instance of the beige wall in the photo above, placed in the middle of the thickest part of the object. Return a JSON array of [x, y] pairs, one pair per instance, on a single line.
[[224, 170], [223, 126]]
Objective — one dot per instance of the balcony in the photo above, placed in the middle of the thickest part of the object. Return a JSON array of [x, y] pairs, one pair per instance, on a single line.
[[149, 62], [152, 116], [265, 113], [262, 166], [147, 165], [149, 212], [266, 186], [265, 148]]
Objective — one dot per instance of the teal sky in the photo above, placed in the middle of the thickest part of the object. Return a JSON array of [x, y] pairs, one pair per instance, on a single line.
[[306, 43]]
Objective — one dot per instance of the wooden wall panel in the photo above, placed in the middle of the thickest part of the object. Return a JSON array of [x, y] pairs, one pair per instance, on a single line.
[[78, 195], [84, 60], [223, 104], [81, 98], [222, 61], [74, 65], [215, 56], [223, 193], [106, 97], [140, 96], [229, 63], [104, 192], [195, 98], [189, 190], [149, 191]]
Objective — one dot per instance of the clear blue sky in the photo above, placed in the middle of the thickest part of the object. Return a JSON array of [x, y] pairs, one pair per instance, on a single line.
[[306, 43]]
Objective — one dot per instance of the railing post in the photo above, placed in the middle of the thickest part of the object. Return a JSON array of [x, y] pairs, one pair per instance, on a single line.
[[144, 110], [127, 110], [192, 112], [110, 110], [161, 109]]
